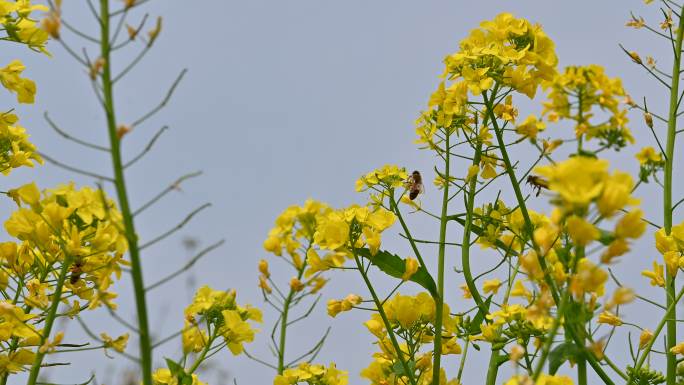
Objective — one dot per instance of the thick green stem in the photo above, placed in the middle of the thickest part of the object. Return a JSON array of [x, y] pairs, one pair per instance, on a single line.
[[122, 194], [439, 301], [671, 338], [49, 320]]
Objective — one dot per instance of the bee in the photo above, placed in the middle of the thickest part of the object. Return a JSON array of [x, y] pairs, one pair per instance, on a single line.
[[76, 271], [415, 185], [538, 183]]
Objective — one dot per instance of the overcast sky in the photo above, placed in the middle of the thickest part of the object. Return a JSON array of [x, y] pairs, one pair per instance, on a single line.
[[286, 100]]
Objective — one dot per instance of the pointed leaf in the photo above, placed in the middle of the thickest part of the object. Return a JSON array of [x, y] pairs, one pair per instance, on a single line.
[[560, 354], [394, 266]]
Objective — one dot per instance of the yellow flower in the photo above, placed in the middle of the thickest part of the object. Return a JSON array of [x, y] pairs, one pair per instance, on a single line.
[[10, 78], [472, 172], [589, 278], [491, 286], [477, 79], [609, 318], [411, 266], [578, 180], [657, 276], [118, 344], [163, 376], [236, 331], [296, 285], [648, 155], [519, 290], [644, 339], [194, 339], [581, 231], [631, 225], [530, 127], [678, 349], [616, 194], [466, 291]]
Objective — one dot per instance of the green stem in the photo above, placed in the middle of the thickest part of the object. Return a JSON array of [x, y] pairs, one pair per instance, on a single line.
[[200, 359], [465, 245], [671, 338], [49, 320], [385, 320], [439, 314], [414, 247], [122, 194], [283, 322]]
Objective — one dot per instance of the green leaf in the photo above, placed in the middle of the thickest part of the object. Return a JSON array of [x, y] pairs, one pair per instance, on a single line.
[[475, 323], [561, 353], [173, 366], [398, 368], [395, 266]]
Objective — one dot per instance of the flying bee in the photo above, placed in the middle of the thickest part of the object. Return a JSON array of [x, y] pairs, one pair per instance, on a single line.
[[76, 271], [538, 183], [415, 185]]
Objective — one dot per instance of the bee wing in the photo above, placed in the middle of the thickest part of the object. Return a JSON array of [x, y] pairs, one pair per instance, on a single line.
[[421, 188]]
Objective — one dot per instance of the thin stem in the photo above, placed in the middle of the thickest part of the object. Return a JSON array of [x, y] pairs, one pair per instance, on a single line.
[[385, 320], [439, 301], [284, 323], [49, 320]]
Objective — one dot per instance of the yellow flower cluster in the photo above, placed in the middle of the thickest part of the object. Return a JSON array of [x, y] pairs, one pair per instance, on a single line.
[[386, 177], [412, 318], [312, 374], [589, 98], [15, 148], [336, 306], [65, 225], [671, 247], [295, 225], [354, 227], [20, 26], [293, 234], [508, 52], [226, 318]]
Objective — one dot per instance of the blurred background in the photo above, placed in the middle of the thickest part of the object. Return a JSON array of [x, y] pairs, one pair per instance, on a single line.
[[285, 101]]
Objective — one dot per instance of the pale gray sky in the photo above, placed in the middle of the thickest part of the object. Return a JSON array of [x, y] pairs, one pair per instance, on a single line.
[[286, 100]]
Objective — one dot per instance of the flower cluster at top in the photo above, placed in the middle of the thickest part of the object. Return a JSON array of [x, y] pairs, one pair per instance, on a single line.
[[590, 99], [65, 236], [504, 53], [412, 320]]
